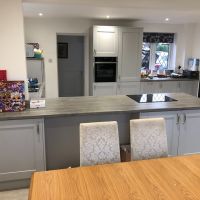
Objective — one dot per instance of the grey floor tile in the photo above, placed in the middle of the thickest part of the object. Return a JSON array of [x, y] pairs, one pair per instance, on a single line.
[[21, 194]]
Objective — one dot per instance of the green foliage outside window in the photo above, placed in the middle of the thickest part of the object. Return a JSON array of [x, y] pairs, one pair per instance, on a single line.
[[162, 47]]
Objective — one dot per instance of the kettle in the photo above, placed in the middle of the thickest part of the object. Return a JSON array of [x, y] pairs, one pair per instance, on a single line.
[[193, 64]]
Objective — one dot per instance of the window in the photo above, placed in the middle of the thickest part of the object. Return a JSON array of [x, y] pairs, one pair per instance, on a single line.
[[157, 51]]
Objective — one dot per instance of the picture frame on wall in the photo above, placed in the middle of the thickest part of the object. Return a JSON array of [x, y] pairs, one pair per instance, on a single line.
[[62, 50]]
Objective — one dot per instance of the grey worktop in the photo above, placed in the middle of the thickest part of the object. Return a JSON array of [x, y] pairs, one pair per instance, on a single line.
[[105, 104], [167, 79]]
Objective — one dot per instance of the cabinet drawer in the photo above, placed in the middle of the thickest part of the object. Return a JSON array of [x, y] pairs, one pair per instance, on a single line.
[[128, 88], [104, 89]]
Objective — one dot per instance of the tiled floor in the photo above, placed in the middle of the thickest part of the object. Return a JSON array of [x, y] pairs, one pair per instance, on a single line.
[[21, 194]]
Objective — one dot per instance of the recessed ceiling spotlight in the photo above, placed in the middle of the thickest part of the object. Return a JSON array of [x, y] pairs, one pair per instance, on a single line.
[[40, 14], [167, 19], [108, 16]]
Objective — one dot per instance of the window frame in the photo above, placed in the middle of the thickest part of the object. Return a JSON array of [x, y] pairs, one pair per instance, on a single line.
[[171, 57]]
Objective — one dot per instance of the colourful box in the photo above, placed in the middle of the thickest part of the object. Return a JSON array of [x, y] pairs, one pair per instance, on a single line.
[[12, 97]]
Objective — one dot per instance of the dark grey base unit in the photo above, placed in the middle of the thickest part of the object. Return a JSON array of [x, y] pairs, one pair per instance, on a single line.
[[22, 151], [62, 136]]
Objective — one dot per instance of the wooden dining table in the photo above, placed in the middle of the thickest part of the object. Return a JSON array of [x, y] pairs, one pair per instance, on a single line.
[[165, 178]]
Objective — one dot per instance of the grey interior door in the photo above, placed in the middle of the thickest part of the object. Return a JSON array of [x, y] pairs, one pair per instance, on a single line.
[[71, 68]]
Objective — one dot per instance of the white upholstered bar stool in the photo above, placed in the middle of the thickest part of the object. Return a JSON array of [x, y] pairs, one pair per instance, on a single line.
[[148, 138], [99, 143]]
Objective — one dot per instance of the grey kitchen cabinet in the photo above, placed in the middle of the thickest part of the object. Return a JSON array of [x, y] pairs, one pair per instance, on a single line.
[[189, 87], [189, 139], [104, 89], [149, 87], [125, 43], [124, 88], [128, 88], [105, 41], [168, 86], [182, 130], [130, 48], [172, 128], [22, 149], [159, 86]]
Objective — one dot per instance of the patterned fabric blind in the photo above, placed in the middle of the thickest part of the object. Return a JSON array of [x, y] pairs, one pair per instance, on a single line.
[[158, 37]]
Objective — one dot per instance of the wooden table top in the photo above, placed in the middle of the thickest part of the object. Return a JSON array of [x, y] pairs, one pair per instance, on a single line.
[[166, 178]]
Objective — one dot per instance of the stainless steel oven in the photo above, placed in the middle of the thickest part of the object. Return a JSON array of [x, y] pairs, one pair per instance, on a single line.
[[105, 69]]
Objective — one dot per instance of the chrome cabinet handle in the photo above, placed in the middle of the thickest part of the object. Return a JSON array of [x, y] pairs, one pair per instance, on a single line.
[[38, 132], [184, 118], [38, 129], [94, 52], [177, 119]]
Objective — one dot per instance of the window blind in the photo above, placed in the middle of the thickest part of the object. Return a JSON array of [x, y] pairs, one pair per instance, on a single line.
[[158, 37]]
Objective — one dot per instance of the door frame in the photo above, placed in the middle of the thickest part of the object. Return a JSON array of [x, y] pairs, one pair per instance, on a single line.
[[86, 60]]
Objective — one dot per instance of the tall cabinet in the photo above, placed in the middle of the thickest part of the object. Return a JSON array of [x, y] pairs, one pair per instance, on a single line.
[[125, 43], [129, 59]]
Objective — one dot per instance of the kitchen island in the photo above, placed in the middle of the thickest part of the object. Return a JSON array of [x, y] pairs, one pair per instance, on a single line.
[[90, 105], [48, 138]]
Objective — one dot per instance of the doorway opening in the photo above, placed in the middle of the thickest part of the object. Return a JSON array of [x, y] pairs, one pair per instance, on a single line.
[[70, 54]]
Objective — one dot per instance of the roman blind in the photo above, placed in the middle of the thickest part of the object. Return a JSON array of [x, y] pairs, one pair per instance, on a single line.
[[158, 37]]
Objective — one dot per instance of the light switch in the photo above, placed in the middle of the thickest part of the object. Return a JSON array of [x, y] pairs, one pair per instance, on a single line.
[[50, 60]]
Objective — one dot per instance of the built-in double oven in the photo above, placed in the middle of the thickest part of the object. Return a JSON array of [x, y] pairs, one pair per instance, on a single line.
[[105, 69]]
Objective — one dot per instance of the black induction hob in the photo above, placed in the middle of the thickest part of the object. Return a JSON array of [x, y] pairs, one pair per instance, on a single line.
[[151, 98]]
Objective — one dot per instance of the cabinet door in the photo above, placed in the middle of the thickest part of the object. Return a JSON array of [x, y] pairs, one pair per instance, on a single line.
[[130, 51], [172, 129], [150, 87], [189, 87], [104, 89], [128, 88], [189, 139], [21, 149], [105, 40], [169, 86]]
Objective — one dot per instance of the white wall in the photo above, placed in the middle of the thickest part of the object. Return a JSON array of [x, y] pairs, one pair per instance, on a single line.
[[12, 51], [196, 42], [44, 32]]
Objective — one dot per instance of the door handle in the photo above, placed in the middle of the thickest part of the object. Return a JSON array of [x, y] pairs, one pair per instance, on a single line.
[[177, 119], [94, 52], [38, 129], [38, 132], [184, 118]]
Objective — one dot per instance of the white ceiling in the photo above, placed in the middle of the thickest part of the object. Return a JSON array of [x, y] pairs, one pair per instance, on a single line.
[[179, 11]]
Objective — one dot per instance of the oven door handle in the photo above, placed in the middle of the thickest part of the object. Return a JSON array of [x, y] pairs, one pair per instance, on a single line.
[[105, 63]]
